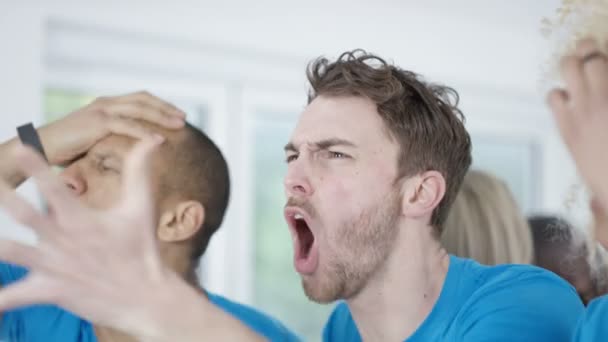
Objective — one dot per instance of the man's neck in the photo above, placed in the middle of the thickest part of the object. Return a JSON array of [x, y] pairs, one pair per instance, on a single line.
[[400, 296]]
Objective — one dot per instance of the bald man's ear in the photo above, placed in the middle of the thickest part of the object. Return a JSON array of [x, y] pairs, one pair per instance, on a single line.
[[422, 194], [182, 222]]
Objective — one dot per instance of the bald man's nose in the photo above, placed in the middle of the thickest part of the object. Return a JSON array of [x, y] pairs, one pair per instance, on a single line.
[[74, 181]]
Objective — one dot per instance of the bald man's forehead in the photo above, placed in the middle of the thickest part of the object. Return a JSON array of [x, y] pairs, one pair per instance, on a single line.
[[114, 144], [122, 144], [117, 148]]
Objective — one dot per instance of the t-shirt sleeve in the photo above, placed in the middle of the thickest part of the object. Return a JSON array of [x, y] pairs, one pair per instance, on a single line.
[[39, 322], [534, 306], [10, 322], [10, 273]]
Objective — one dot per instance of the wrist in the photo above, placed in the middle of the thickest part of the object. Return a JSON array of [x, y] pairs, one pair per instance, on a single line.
[[47, 139], [9, 172], [165, 310], [179, 312]]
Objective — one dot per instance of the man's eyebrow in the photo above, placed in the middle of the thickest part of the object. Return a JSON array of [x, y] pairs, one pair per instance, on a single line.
[[106, 155], [327, 143], [322, 144], [290, 147]]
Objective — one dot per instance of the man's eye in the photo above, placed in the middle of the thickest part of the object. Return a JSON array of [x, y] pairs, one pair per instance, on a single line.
[[337, 155], [291, 158], [103, 167]]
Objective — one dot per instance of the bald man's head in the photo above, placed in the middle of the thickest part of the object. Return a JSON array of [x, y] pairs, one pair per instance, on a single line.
[[190, 184], [192, 168]]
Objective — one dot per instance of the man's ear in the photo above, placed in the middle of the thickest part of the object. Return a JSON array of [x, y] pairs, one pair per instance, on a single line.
[[422, 194], [181, 222]]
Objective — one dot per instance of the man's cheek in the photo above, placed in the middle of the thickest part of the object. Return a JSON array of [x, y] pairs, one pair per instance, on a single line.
[[106, 196]]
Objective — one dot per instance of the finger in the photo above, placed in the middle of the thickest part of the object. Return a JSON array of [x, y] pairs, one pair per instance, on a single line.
[[585, 47], [595, 68], [20, 254], [21, 210], [145, 112], [28, 291], [136, 184], [572, 72], [558, 103], [58, 197], [130, 128], [154, 101]]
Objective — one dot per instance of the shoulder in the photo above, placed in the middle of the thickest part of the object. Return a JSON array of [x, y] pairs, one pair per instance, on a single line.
[[522, 302], [262, 323], [592, 325]]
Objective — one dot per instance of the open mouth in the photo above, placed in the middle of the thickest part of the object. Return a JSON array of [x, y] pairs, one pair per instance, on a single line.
[[305, 236], [305, 251]]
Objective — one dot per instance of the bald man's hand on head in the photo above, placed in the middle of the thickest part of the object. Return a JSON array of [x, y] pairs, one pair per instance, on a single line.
[[73, 135]]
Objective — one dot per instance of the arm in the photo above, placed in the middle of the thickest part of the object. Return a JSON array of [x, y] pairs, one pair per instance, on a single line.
[[9, 172], [178, 312]]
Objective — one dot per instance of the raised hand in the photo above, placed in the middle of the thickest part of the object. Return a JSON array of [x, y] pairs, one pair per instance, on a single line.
[[100, 264], [581, 113]]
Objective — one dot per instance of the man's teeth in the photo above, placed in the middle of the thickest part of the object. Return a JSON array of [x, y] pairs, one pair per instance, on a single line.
[[298, 217]]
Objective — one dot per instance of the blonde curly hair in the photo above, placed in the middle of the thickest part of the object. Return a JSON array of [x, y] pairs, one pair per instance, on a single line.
[[572, 21]]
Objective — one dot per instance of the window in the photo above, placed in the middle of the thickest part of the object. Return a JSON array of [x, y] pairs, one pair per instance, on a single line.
[[515, 161], [58, 102]]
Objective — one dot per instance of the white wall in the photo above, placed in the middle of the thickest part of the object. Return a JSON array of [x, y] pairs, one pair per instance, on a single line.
[[20, 84]]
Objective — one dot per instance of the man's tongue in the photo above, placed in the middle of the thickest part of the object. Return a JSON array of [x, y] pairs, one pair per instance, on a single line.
[[306, 255]]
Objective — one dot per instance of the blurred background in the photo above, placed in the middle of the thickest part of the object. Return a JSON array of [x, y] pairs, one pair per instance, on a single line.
[[238, 69]]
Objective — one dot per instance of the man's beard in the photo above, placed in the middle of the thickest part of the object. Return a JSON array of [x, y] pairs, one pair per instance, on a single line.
[[357, 250]]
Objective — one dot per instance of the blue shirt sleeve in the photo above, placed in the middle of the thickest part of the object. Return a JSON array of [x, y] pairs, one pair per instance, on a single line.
[[593, 325], [39, 322], [10, 273], [534, 306], [11, 323]]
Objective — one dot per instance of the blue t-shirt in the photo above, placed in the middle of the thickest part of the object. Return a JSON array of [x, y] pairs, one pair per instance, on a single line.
[[47, 323], [593, 326], [508, 303]]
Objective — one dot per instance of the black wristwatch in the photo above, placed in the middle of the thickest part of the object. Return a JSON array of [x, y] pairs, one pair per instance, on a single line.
[[29, 136]]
